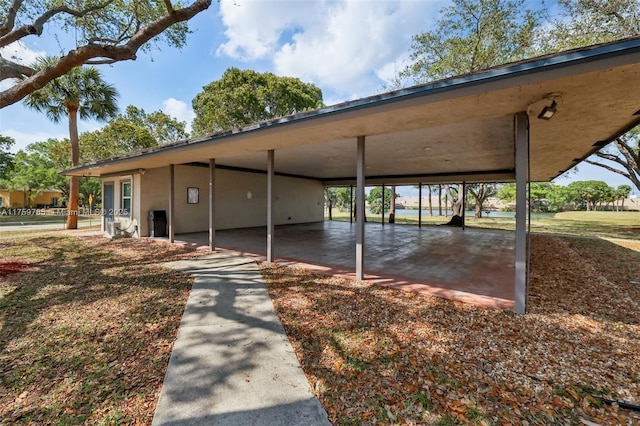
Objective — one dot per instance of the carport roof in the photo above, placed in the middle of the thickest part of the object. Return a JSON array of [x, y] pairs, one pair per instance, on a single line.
[[461, 128]]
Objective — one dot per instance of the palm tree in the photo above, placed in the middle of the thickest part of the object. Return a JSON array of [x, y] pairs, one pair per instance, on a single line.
[[80, 92], [622, 193]]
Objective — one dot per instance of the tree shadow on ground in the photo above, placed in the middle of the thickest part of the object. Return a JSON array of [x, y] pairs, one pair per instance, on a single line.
[[93, 321]]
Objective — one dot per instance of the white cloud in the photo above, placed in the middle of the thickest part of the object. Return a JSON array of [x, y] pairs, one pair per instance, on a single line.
[[179, 110], [20, 53], [254, 28], [347, 47]]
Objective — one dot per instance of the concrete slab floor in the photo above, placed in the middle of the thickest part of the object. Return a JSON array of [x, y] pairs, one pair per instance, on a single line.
[[471, 265]]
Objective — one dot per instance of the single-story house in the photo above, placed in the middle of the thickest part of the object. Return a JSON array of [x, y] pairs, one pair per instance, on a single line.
[[521, 122], [18, 199]]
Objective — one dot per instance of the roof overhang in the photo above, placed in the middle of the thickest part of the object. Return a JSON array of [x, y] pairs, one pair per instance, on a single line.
[[458, 129]]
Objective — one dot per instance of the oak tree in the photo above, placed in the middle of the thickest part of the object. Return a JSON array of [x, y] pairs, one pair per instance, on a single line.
[[34, 172], [242, 97], [6, 158], [131, 131], [472, 35], [105, 32]]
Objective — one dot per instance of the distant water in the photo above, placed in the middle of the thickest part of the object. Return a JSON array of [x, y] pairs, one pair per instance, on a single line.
[[470, 213]]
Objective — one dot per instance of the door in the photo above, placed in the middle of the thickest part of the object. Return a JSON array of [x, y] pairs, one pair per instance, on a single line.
[[107, 205]]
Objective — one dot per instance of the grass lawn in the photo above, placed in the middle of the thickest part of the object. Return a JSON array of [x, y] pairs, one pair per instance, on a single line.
[[604, 224], [375, 355], [86, 328], [41, 218]]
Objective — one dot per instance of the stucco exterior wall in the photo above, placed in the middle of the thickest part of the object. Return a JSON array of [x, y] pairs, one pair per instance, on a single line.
[[16, 199], [191, 217], [241, 199], [154, 195]]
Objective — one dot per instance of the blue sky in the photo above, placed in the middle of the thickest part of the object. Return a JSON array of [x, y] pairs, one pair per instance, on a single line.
[[349, 48]]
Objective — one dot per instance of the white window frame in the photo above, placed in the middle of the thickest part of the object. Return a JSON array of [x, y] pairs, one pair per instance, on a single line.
[[124, 198]]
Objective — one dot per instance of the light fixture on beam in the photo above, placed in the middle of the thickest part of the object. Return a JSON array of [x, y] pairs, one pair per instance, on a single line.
[[548, 111]]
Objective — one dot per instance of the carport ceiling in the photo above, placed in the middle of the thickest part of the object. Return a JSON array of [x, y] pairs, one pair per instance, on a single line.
[[452, 130]]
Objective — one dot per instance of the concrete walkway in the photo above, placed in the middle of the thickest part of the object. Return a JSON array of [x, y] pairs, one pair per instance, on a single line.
[[232, 363]]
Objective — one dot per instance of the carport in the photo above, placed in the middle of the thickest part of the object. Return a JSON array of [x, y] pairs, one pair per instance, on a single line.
[[522, 122]]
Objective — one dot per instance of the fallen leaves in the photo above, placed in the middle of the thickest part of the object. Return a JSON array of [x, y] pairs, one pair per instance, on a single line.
[[78, 343], [375, 355]]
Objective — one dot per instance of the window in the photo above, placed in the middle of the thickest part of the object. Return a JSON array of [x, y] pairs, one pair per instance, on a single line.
[[54, 201], [125, 206]]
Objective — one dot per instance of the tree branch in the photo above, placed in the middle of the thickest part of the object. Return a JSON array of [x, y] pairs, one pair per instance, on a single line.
[[11, 69], [606, 166], [83, 54], [628, 174], [628, 152], [611, 157], [38, 25], [10, 20]]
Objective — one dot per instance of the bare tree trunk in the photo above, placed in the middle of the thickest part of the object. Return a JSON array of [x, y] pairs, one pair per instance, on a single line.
[[430, 203], [392, 205], [478, 210], [457, 207], [355, 215], [457, 202], [74, 187], [456, 219], [479, 193], [446, 204]]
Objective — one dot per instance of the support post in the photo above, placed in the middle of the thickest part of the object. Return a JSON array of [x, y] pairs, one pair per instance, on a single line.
[[382, 209], [270, 226], [212, 204], [464, 204], [521, 126], [350, 203], [360, 210], [172, 210], [419, 205]]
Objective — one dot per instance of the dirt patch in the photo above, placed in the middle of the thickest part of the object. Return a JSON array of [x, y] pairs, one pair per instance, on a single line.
[[7, 268]]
